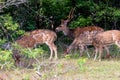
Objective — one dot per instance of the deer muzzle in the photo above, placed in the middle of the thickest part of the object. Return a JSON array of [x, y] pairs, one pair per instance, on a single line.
[[57, 30]]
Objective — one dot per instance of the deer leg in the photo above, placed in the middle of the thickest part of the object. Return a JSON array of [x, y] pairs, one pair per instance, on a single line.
[[108, 53], [55, 50], [76, 48], [100, 52], [81, 50], [68, 50], [51, 50], [73, 45], [93, 54], [51, 53], [87, 51], [96, 52], [117, 43]]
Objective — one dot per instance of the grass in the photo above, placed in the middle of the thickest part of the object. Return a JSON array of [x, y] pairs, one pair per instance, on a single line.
[[70, 67]]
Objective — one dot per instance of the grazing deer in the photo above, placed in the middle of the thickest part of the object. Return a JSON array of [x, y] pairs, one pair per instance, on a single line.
[[102, 40], [40, 36], [84, 37], [74, 33]]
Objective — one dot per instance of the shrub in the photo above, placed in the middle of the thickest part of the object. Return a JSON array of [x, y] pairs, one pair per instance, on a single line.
[[9, 28], [6, 61]]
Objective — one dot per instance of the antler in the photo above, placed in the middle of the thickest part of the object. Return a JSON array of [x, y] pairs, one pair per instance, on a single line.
[[71, 14]]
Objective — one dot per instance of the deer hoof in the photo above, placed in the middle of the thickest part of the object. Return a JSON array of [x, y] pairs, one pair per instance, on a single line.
[[99, 60]]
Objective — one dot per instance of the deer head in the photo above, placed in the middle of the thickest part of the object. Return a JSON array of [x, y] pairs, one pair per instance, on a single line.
[[63, 26]]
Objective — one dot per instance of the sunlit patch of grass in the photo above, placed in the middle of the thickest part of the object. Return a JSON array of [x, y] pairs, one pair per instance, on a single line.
[[81, 63], [103, 70]]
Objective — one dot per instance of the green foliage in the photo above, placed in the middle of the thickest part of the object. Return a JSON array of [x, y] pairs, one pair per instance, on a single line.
[[30, 53], [9, 24], [55, 7], [67, 56], [60, 65], [114, 50], [81, 63], [116, 13], [92, 12], [9, 28], [34, 53], [2, 41], [6, 61], [26, 77], [81, 21], [44, 47], [102, 13], [72, 56], [58, 9]]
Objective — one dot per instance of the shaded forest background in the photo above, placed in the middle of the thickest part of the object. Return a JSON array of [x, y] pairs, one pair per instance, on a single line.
[[19, 16]]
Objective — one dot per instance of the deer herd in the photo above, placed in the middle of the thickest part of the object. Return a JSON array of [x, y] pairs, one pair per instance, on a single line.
[[82, 37]]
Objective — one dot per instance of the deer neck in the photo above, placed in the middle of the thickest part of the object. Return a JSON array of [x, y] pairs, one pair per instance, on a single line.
[[66, 31]]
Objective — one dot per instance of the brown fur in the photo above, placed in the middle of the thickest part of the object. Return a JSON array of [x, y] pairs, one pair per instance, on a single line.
[[31, 39], [26, 41], [102, 40], [84, 37], [78, 30], [85, 33]]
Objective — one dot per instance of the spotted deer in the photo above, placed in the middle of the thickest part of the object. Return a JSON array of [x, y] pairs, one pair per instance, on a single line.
[[74, 33], [102, 40], [84, 38], [41, 36]]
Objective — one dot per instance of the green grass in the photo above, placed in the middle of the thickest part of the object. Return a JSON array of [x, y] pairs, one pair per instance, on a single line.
[[68, 69]]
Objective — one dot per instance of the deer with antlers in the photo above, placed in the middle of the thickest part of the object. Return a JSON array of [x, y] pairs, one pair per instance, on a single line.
[[103, 39], [78, 34], [63, 26]]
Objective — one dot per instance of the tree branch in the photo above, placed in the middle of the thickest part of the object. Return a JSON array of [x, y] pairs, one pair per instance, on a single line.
[[11, 3]]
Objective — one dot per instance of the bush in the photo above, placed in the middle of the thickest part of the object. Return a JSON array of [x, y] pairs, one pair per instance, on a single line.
[[81, 21], [27, 55], [6, 61], [34, 53], [9, 28]]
